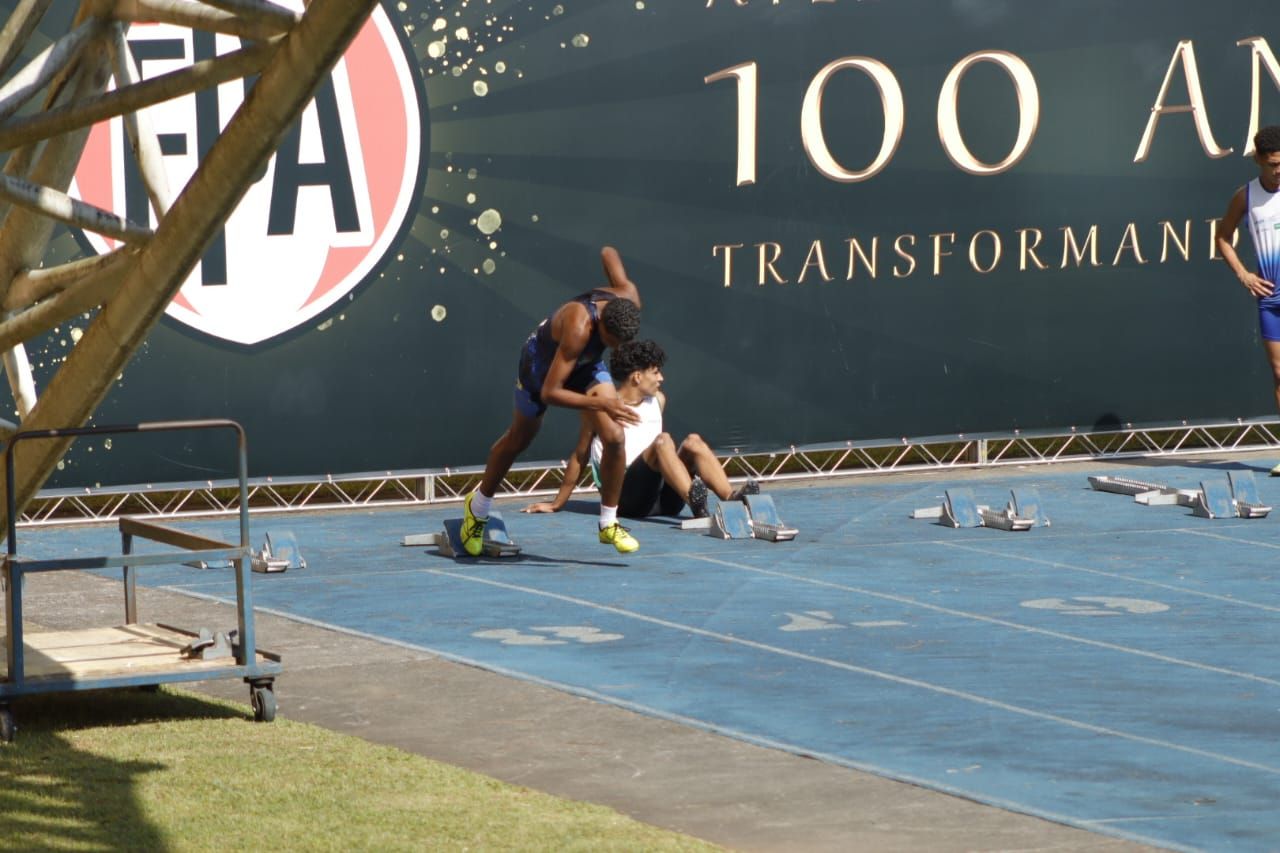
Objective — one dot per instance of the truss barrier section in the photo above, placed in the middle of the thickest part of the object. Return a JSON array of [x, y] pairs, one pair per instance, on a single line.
[[838, 459]]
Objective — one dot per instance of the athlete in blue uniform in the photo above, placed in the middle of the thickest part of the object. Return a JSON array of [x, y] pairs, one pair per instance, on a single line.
[[561, 365], [661, 476], [1259, 202]]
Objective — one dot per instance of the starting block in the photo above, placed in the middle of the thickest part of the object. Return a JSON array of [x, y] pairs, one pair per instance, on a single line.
[[1236, 498], [765, 523], [959, 509], [497, 542], [754, 517], [279, 553], [731, 520], [1026, 504]]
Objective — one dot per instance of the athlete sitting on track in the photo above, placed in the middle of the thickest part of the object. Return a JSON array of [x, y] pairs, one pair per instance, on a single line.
[[560, 365], [660, 478]]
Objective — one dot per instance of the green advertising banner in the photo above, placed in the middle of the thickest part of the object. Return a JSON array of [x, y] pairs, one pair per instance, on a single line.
[[848, 219]]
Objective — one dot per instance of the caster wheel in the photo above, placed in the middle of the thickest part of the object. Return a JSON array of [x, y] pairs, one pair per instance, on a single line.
[[8, 728], [263, 700]]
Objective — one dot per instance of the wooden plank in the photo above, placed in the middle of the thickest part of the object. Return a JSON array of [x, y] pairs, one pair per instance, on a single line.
[[105, 652], [170, 535]]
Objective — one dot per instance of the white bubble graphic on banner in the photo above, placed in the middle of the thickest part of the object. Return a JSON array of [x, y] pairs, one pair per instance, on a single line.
[[489, 221]]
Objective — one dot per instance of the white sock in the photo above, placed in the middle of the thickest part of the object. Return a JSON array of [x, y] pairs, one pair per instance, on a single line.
[[608, 516], [480, 503]]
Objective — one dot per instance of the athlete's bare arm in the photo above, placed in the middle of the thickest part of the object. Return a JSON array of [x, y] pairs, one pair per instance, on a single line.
[[571, 326], [573, 467], [1255, 284], [617, 275]]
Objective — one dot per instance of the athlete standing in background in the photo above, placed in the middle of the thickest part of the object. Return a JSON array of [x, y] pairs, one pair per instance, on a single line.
[[1258, 203]]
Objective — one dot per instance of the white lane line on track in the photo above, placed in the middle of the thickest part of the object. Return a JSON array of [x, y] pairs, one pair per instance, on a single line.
[[705, 725], [1058, 564], [859, 670], [991, 620], [1253, 542]]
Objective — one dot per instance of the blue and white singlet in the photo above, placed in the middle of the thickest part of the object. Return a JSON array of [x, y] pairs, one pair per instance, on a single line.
[[1263, 211]]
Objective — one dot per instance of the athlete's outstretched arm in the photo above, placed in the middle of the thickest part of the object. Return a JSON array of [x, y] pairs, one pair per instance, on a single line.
[[617, 275], [572, 469], [1255, 284]]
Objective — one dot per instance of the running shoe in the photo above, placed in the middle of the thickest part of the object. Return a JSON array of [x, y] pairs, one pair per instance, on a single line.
[[1275, 472], [751, 487], [619, 537], [698, 498], [472, 529]]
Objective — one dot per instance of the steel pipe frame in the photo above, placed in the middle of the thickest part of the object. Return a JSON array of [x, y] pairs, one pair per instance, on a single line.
[[201, 16], [18, 28], [121, 101], [48, 64], [25, 233], [285, 86], [31, 286]]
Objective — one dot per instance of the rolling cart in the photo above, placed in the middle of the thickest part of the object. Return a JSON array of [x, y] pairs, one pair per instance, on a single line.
[[133, 654]]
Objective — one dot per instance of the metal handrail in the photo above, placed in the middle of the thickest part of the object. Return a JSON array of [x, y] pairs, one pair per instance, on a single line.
[[147, 426]]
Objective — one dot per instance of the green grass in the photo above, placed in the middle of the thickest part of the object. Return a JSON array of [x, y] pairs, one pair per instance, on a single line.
[[172, 771]]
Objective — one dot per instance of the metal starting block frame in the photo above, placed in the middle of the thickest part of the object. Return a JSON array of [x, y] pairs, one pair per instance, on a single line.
[[765, 523], [1236, 498], [754, 517], [497, 542], [959, 509], [279, 553]]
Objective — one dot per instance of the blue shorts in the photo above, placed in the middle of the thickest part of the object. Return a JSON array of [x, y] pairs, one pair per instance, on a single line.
[[1269, 321], [528, 400]]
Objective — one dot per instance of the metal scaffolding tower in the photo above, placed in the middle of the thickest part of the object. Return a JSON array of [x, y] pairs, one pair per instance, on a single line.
[[131, 285]]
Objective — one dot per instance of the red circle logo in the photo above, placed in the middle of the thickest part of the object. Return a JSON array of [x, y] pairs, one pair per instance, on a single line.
[[323, 214]]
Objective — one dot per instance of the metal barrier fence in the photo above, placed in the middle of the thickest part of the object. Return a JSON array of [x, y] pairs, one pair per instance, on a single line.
[[838, 459]]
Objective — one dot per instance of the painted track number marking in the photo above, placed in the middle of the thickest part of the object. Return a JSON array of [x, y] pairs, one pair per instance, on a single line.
[[1097, 605]]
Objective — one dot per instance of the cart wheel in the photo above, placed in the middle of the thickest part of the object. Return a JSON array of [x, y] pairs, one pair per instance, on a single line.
[[263, 699], [8, 728]]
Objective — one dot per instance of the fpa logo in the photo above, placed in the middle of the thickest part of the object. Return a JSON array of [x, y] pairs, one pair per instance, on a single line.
[[319, 219]]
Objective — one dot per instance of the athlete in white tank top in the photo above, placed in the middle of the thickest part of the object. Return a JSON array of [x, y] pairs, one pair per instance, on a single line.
[[636, 437], [1262, 208], [1258, 205]]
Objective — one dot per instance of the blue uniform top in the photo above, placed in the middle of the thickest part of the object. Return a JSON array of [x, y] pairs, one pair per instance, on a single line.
[[540, 348]]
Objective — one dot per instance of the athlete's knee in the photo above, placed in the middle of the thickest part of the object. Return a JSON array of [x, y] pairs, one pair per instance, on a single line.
[[693, 443], [611, 435], [663, 441]]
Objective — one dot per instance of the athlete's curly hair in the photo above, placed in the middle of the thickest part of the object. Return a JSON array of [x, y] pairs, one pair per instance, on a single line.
[[1267, 140], [621, 318], [633, 356]]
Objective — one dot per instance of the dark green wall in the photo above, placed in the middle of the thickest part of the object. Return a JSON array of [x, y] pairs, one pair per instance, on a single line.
[[620, 141]]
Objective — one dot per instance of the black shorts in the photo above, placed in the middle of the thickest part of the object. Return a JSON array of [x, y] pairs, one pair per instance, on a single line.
[[645, 493]]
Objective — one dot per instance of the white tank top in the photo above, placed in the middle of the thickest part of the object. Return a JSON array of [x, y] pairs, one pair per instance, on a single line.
[[637, 437], [1263, 210]]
